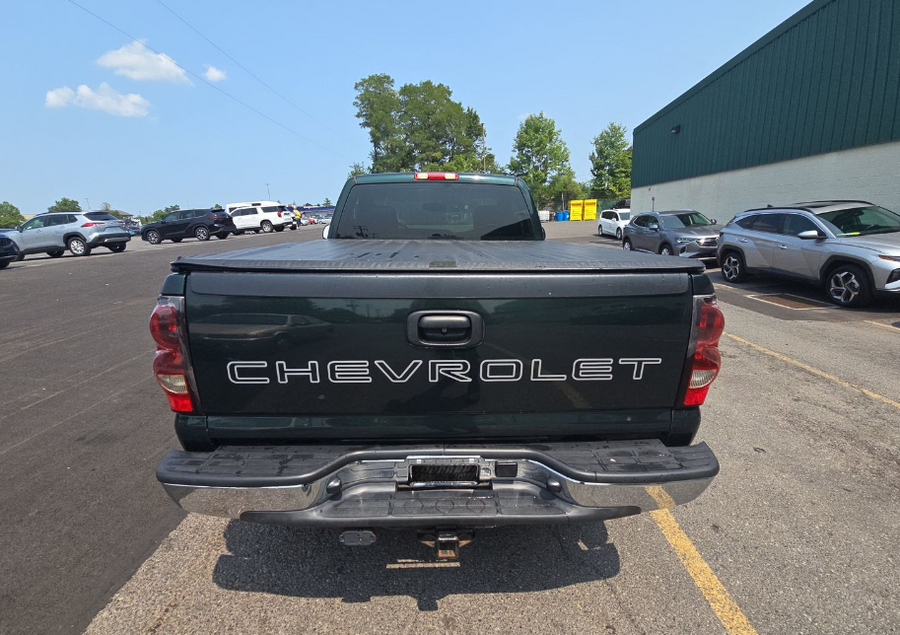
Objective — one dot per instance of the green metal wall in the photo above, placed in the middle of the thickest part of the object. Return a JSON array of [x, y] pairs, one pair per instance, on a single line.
[[826, 79]]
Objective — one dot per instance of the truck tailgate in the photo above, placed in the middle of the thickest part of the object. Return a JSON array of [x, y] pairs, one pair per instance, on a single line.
[[305, 342]]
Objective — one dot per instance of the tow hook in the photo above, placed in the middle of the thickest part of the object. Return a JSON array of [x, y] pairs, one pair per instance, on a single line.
[[447, 543]]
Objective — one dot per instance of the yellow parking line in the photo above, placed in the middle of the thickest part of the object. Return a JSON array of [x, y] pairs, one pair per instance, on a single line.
[[726, 609], [816, 371], [884, 326]]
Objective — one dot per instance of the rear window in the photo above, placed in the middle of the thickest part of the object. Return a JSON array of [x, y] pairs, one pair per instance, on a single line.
[[100, 216], [450, 211], [624, 215]]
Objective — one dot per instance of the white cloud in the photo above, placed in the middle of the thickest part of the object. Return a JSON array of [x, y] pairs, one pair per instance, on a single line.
[[105, 98], [214, 74], [59, 97], [137, 62]]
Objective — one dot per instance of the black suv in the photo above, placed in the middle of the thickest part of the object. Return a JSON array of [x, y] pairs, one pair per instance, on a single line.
[[189, 223]]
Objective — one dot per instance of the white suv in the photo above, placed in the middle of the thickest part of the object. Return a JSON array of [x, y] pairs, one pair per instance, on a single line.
[[264, 219], [851, 248]]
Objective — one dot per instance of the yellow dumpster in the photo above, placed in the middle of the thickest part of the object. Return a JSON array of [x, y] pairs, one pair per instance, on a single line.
[[590, 209], [576, 210]]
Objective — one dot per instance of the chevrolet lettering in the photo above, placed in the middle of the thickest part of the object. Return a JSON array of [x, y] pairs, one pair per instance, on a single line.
[[434, 365], [489, 370]]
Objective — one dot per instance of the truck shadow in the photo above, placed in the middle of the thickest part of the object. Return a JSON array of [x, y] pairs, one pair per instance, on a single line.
[[313, 564]]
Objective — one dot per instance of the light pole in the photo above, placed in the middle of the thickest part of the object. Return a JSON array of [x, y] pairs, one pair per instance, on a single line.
[[88, 201], [483, 149], [268, 195]]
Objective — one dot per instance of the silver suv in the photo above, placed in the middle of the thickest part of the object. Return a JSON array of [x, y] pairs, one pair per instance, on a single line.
[[683, 232], [79, 232], [851, 248]]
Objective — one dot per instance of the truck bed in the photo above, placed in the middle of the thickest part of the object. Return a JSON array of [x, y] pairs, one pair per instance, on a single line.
[[435, 255]]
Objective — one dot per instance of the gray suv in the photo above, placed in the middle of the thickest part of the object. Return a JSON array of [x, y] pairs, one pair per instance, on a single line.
[[79, 232], [851, 248], [684, 232]]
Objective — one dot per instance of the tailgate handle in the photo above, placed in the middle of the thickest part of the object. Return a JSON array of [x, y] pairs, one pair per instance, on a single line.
[[445, 329]]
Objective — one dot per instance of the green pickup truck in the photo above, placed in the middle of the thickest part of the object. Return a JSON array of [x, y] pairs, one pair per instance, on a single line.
[[435, 365]]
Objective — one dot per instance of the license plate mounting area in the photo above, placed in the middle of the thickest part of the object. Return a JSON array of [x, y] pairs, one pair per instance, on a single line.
[[443, 473]]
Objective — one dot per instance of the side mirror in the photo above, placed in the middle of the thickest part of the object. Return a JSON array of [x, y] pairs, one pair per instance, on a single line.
[[19, 228], [653, 227], [325, 231], [811, 234], [713, 221]]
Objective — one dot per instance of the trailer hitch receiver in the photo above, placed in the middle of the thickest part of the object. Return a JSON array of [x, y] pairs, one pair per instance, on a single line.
[[447, 543]]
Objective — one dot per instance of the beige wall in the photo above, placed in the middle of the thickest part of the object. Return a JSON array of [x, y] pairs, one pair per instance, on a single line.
[[871, 173]]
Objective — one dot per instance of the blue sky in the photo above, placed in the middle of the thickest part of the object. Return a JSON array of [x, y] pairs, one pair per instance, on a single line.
[[142, 134]]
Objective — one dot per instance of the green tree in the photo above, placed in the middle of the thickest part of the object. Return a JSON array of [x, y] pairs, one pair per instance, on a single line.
[[10, 216], [65, 205], [377, 105], [356, 169], [419, 127], [327, 202], [541, 157], [611, 163], [217, 206]]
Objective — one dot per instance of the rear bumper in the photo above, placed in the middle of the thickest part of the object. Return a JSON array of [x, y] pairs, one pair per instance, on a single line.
[[109, 238], [342, 486]]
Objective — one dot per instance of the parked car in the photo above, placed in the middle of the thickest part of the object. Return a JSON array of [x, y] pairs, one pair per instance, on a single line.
[[79, 232], [189, 223], [8, 251], [685, 232], [851, 248], [261, 219], [612, 222]]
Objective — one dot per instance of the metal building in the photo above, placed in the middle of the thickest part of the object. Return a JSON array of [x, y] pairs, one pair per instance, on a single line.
[[810, 111]]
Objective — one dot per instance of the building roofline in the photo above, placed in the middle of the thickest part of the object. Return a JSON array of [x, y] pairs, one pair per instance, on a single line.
[[758, 45]]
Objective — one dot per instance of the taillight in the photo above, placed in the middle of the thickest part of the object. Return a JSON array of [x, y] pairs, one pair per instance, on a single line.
[[704, 359], [91, 224], [279, 214], [437, 176], [170, 365]]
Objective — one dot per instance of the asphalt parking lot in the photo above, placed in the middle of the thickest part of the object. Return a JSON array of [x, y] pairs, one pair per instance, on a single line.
[[798, 534]]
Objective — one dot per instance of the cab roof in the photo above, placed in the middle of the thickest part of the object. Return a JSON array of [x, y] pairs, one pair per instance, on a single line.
[[464, 177]]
